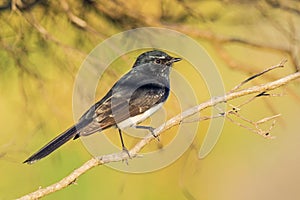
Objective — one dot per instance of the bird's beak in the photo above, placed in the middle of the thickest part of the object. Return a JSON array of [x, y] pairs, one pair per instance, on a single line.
[[175, 60]]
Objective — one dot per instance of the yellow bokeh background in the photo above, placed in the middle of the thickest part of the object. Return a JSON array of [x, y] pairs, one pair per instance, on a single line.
[[37, 73]]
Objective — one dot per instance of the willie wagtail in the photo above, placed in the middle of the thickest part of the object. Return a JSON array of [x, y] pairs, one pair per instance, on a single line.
[[135, 97]]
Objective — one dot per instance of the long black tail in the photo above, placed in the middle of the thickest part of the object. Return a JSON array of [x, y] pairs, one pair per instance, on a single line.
[[53, 145]]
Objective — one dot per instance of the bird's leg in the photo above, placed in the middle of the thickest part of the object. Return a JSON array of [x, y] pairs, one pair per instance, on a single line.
[[122, 141], [149, 128]]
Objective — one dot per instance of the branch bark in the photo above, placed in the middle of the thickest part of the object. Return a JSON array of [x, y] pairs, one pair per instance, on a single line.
[[116, 157]]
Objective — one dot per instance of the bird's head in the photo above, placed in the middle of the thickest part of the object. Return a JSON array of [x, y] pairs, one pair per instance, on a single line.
[[155, 57]]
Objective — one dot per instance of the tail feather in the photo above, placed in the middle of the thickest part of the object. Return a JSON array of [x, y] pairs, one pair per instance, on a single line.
[[53, 145]]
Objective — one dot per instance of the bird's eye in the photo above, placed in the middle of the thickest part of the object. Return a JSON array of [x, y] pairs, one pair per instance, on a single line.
[[157, 61]]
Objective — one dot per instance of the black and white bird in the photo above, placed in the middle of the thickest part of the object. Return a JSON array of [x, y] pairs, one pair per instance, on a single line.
[[132, 99]]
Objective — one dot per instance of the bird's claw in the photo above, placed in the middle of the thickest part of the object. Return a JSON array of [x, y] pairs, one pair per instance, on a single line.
[[152, 132], [125, 151]]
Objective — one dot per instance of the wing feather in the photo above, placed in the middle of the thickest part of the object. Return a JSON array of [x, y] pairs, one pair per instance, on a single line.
[[118, 107]]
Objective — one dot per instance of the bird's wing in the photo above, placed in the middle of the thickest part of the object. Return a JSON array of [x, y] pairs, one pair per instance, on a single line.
[[120, 106], [146, 97]]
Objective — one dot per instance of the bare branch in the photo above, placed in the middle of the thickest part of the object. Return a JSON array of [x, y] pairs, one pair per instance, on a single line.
[[278, 4], [78, 21], [46, 35], [257, 89]]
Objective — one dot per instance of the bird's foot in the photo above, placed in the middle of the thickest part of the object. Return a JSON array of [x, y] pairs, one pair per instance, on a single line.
[[153, 134], [151, 129], [125, 151]]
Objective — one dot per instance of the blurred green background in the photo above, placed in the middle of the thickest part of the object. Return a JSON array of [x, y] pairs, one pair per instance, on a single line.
[[43, 44]]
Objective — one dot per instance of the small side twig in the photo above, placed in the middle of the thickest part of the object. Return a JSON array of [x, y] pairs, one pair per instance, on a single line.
[[254, 125], [281, 64]]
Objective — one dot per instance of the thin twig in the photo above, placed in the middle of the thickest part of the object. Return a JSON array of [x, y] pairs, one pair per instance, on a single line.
[[281, 64], [255, 129], [29, 17], [266, 119]]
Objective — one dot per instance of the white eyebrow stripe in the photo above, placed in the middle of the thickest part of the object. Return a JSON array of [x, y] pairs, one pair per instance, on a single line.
[[160, 57]]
